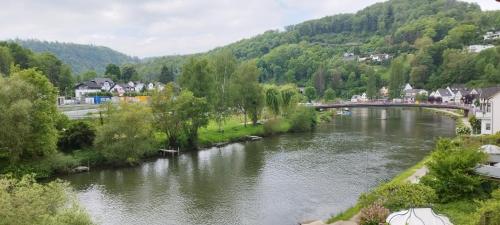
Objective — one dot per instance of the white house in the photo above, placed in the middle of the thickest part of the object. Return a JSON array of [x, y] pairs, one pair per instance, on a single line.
[[355, 98], [410, 95], [407, 87], [380, 57], [445, 95], [492, 35], [478, 48], [93, 86], [489, 110], [384, 91]]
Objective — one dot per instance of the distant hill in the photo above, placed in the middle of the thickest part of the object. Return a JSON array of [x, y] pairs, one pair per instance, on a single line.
[[80, 57]]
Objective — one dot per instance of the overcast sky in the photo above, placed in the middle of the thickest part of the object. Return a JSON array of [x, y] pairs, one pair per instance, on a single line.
[[163, 27]]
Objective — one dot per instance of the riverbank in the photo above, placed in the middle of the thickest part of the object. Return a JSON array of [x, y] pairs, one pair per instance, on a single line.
[[232, 131], [461, 211]]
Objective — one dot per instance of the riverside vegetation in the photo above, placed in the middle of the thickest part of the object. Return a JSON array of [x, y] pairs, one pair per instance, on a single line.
[[451, 187]]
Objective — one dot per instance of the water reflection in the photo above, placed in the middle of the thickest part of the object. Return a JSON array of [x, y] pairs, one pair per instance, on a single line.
[[279, 180]]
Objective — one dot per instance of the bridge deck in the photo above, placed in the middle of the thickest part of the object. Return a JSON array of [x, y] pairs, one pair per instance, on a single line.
[[465, 108]]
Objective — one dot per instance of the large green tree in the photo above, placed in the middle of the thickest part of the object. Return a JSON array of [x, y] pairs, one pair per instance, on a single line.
[[273, 100], [113, 72], [224, 64], [127, 134], [247, 93], [27, 115], [197, 77], [397, 78], [166, 75]]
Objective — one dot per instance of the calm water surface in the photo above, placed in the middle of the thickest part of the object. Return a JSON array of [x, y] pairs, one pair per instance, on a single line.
[[278, 180]]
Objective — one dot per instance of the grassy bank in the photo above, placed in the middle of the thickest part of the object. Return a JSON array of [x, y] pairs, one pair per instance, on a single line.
[[400, 178]]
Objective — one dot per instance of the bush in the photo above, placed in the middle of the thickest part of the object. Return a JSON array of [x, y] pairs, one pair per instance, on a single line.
[[274, 126], [79, 135], [476, 124], [400, 196], [43, 168], [463, 130], [373, 215], [489, 211], [24, 201], [303, 119], [451, 171]]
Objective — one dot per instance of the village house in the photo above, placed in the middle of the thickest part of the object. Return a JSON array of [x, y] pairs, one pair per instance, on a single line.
[[380, 57], [478, 48], [492, 35], [349, 56], [444, 94], [384, 92], [489, 110], [93, 86]]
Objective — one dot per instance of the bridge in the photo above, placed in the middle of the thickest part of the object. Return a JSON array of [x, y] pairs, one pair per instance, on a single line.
[[464, 108]]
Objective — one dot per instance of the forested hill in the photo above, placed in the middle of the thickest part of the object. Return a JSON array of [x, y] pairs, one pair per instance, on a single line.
[[426, 40], [80, 57]]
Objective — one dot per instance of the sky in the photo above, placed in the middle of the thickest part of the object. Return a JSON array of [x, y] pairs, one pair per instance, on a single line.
[[164, 27]]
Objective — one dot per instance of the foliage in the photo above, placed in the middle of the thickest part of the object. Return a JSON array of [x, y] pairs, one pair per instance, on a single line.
[[197, 77], [374, 214], [303, 119], [26, 202], [475, 124], [289, 97], [310, 93], [273, 100], [28, 115], [400, 196], [166, 75], [489, 212], [275, 126], [81, 57], [113, 72], [233, 130], [247, 94], [463, 130], [329, 95], [126, 135], [179, 116], [224, 64], [79, 135], [451, 171]]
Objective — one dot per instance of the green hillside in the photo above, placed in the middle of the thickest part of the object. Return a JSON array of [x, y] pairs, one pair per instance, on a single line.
[[80, 57], [426, 40]]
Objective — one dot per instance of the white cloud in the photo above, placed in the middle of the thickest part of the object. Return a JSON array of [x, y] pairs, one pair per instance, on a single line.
[[162, 27]]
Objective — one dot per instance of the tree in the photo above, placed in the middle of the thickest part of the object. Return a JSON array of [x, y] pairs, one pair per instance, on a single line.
[[310, 93], [247, 94], [129, 73], [319, 79], [5, 60], [166, 75], [88, 75], [273, 100], [224, 65], [53, 68], [79, 135], [396, 81], [26, 202], [127, 134], [329, 95], [288, 94], [371, 86], [197, 76], [491, 74], [179, 116], [27, 115], [113, 72]]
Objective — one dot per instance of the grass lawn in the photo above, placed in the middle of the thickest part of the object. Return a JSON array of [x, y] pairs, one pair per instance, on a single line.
[[460, 212], [233, 129]]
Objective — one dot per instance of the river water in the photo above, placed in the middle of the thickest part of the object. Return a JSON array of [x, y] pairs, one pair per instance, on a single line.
[[279, 180]]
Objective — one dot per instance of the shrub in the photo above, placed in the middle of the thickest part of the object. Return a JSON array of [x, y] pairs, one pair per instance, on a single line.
[[451, 171], [373, 214], [303, 119], [463, 130], [79, 135], [23, 201], [400, 196], [274, 126], [489, 213], [476, 124]]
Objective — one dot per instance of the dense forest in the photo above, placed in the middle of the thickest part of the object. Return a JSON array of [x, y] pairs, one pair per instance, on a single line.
[[81, 57]]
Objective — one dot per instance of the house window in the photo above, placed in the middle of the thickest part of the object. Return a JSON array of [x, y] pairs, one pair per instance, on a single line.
[[488, 126], [488, 107]]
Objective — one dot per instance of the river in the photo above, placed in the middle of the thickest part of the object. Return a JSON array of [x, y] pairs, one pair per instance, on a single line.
[[275, 181]]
